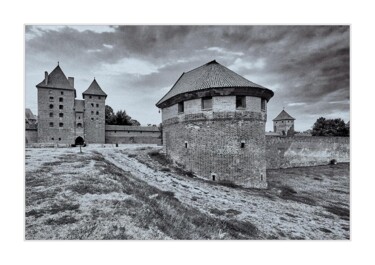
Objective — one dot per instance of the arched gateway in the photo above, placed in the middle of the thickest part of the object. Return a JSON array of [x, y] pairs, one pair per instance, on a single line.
[[79, 141]]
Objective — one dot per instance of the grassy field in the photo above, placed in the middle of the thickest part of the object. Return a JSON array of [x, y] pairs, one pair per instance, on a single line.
[[133, 192]]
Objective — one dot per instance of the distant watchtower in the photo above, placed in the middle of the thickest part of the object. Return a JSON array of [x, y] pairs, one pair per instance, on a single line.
[[214, 125], [283, 124]]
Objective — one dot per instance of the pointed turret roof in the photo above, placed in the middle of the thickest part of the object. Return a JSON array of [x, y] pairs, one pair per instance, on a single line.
[[283, 116], [56, 79], [94, 89], [209, 75]]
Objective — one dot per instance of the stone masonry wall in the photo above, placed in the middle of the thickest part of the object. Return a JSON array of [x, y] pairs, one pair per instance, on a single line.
[[94, 119], [209, 142], [300, 151], [56, 134]]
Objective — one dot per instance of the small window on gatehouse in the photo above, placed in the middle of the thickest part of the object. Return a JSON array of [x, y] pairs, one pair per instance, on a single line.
[[61, 124], [263, 105], [51, 99], [51, 106], [61, 106], [62, 92], [51, 114], [61, 99], [61, 115], [79, 125], [180, 107], [207, 103], [242, 144], [213, 177], [51, 124], [59, 139], [186, 144], [240, 102]]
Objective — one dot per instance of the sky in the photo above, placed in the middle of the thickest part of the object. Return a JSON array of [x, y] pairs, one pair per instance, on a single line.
[[307, 67]]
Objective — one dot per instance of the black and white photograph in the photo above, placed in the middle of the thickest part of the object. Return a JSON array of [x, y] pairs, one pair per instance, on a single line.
[[187, 132]]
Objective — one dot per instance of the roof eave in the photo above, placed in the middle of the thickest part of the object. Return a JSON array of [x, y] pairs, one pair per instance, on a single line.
[[264, 93]]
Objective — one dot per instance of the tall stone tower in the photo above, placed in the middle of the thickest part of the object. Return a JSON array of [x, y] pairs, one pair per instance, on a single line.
[[214, 125], [283, 124], [94, 113], [56, 117]]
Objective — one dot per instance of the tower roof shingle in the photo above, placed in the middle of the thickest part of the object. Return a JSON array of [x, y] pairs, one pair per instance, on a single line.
[[56, 79], [283, 116], [209, 75], [94, 89]]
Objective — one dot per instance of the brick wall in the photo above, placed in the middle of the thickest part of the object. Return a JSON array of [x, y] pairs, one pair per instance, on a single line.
[[94, 119], [287, 126], [209, 142], [55, 134], [132, 135], [31, 136], [299, 151]]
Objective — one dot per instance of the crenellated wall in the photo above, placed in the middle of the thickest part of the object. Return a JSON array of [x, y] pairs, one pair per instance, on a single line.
[[301, 151]]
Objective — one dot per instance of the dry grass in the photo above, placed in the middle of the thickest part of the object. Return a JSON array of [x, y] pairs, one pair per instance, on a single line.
[[137, 194]]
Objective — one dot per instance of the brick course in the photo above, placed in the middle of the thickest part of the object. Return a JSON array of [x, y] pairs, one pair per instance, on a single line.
[[209, 142]]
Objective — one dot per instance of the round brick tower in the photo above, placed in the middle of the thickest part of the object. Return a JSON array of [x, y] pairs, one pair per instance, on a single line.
[[214, 125]]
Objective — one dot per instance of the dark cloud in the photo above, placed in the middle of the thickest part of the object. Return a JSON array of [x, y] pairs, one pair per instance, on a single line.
[[306, 66]]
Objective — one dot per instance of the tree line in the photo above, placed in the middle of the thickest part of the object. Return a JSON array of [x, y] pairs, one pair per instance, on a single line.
[[118, 118], [330, 127]]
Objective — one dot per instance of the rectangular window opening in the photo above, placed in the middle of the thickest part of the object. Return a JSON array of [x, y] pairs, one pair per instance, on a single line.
[[263, 105], [240, 102], [61, 107], [186, 144], [207, 103], [180, 107], [61, 99]]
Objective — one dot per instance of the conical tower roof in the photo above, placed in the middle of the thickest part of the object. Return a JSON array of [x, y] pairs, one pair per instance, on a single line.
[[94, 89], [56, 79], [283, 116], [209, 75]]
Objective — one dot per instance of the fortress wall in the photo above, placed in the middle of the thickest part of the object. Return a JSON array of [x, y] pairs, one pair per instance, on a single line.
[[210, 143], [122, 134], [300, 151], [31, 135]]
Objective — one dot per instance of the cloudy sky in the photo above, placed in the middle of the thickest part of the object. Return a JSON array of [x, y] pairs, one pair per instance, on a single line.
[[306, 66]]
